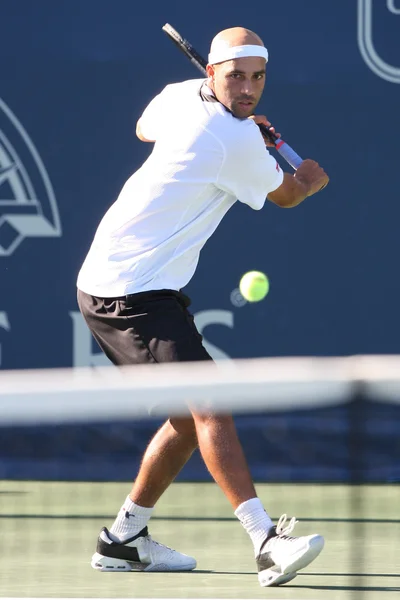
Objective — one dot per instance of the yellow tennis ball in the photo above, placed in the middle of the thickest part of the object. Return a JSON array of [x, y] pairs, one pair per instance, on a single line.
[[254, 286]]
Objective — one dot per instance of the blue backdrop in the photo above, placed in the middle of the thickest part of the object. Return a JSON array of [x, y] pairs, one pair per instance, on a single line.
[[75, 78]]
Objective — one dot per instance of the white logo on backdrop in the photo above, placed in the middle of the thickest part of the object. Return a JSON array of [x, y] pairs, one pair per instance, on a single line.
[[4, 324], [28, 206], [365, 40]]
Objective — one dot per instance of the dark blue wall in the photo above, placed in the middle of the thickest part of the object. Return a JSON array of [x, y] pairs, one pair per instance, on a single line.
[[77, 75]]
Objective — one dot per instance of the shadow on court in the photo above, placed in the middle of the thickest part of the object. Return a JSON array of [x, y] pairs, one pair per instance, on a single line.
[[354, 588]]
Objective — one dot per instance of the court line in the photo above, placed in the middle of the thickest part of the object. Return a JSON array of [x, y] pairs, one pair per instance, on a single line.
[[81, 517]]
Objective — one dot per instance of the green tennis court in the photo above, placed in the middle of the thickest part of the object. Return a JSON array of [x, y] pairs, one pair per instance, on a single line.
[[49, 532]]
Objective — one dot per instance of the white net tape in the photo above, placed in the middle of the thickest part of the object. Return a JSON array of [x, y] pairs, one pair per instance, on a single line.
[[82, 394]]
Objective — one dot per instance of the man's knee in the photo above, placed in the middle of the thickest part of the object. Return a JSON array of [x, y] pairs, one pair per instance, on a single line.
[[210, 419], [184, 426]]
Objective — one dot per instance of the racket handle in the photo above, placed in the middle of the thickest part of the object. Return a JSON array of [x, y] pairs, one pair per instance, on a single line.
[[288, 154], [291, 157]]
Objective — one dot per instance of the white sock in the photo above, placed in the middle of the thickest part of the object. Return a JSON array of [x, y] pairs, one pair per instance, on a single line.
[[131, 519], [255, 520]]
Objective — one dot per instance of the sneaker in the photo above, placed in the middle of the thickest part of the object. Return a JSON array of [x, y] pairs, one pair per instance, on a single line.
[[281, 555], [138, 553]]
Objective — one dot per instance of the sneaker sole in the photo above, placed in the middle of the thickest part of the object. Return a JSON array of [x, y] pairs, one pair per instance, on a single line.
[[277, 575], [117, 565], [272, 578]]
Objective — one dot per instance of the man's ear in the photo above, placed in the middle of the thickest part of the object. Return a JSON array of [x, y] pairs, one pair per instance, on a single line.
[[210, 70], [210, 74]]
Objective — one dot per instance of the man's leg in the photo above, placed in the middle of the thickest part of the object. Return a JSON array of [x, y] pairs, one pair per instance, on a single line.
[[278, 555], [127, 546], [168, 451], [224, 457]]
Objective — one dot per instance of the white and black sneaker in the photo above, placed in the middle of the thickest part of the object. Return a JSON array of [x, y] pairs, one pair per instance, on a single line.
[[138, 553], [281, 555]]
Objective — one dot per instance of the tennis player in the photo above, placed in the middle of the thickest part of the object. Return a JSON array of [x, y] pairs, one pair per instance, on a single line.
[[208, 153]]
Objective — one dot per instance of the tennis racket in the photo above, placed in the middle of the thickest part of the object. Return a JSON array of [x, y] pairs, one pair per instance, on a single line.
[[291, 157]]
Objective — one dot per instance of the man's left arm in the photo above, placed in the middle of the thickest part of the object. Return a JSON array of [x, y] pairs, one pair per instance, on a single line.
[[149, 124], [140, 134]]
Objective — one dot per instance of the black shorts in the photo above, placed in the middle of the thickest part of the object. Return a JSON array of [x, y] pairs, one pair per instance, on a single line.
[[149, 327]]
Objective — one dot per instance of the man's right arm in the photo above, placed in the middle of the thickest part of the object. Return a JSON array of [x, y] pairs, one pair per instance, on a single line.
[[309, 179]]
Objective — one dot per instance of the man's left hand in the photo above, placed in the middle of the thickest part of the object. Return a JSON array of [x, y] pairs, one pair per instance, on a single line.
[[263, 119]]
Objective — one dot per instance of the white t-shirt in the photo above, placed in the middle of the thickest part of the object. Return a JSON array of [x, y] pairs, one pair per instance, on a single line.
[[203, 160]]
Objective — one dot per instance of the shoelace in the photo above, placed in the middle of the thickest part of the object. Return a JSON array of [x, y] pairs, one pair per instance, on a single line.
[[282, 530], [159, 544]]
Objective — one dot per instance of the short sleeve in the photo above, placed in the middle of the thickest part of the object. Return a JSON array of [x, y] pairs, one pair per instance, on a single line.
[[152, 118], [249, 172]]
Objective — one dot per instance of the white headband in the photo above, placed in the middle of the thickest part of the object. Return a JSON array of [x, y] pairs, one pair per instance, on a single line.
[[225, 53]]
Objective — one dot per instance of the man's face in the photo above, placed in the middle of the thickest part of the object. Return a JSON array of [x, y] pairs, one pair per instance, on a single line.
[[238, 84]]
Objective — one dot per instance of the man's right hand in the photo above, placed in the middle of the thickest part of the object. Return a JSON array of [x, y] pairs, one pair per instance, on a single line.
[[312, 176]]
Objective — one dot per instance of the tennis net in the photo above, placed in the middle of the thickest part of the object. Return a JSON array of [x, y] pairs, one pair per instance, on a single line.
[[321, 436]]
